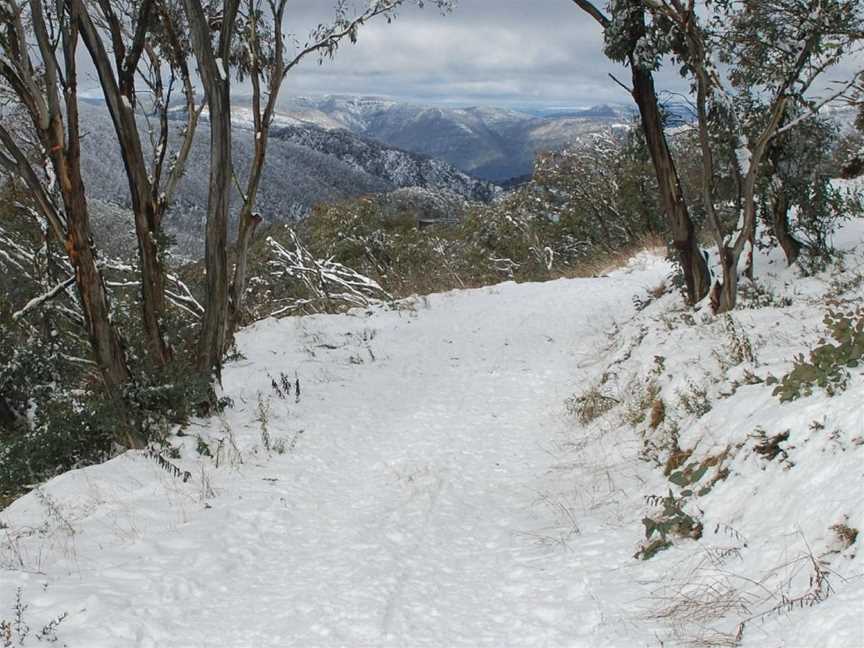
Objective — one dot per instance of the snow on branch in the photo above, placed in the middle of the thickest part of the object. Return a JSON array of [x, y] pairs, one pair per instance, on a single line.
[[41, 299], [326, 282], [183, 297], [12, 254]]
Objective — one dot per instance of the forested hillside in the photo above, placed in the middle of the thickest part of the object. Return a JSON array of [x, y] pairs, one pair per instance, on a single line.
[[305, 166]]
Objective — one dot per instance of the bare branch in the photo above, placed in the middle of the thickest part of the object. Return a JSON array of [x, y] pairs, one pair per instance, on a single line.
[[593, 11]]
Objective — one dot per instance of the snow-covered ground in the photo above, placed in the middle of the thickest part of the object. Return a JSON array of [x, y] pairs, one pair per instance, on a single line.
[[410, 507], [428, 486]]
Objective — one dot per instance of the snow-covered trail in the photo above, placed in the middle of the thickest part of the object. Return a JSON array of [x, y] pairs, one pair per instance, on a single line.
[[416, 504]]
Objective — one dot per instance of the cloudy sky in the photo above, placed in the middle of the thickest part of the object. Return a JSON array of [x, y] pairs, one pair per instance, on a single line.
[[509, 53], [500, 52]]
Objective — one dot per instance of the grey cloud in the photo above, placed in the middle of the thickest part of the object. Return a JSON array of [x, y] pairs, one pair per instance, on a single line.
[[519, 53], [506, 52]]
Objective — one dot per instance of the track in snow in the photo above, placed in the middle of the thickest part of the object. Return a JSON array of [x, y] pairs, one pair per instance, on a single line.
[[418, 506]]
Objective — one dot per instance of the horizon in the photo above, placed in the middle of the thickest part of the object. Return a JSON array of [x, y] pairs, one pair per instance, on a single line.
[[93, 93], [485, 53]]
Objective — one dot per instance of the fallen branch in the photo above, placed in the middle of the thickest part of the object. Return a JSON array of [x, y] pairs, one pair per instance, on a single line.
[[326, 281]]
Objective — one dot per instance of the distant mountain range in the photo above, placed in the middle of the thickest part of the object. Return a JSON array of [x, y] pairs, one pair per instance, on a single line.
[[338, 147], [490, 143], [334, 148], [306, 164]]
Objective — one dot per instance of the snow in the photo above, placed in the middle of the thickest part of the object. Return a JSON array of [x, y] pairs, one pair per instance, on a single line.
[[744, 156], [769, 519], [409, 511], [434, 490]]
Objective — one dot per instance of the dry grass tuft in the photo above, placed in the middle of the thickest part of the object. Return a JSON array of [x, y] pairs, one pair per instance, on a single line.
[[658, 413], [590, 405], [845, 534]]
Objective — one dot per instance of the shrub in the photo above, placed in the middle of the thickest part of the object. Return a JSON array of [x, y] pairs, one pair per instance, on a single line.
[[15, 631], [694, 400], [68, 430], [846, 535], [59, 418], [641, 402], [670, 521], [829, 363], [590, 405]]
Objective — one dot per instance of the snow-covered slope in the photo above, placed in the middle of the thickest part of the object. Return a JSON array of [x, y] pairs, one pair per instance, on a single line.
[[408, 507], [396, 167], [754, 511], [426, 485]]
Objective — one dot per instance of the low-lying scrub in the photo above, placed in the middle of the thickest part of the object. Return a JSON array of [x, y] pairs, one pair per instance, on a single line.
[[829, 363], [747, 530]]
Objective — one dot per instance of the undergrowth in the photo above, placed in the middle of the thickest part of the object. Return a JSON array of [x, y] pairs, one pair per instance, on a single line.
[[16, 630], [828, 365]]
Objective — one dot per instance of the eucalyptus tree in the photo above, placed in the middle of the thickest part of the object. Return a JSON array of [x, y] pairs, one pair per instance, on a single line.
[[625, 31], [247, 38], [774, 53], [796, 181], [136, 43], [39, 72]]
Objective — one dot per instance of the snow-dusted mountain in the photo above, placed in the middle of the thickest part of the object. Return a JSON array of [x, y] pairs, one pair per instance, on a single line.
[[491, 143], [306, 164], [397, 167]]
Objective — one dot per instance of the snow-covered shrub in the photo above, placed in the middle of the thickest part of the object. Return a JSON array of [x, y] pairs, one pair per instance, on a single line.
[[694, 400], [846, 535], [828, 364], [601, 193], [513, 239], [54, 414], [668, 520], [846, 158], [387, 245], [590, 404], [642, 395], [65, 429]]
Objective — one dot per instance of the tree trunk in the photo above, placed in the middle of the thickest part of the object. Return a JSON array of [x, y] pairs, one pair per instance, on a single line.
[[147, 230], [88, 279], [696, 275], [119, 96], [248, 223], [104, 341], [212, 68], [693, 264], [212, 340], [724, 294], [749, 269], [103, 338], [780, 224]]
